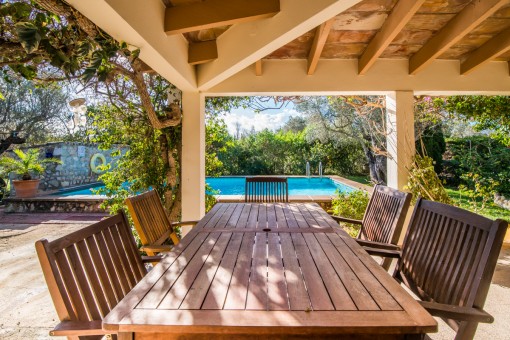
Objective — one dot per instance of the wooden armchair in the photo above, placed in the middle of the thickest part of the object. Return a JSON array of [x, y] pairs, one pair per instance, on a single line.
[[88, 272], [447, 260], [266, 189], [383, 220], [152, 223]]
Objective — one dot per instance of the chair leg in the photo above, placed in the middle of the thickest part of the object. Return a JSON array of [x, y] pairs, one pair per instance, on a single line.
[[466, 330]]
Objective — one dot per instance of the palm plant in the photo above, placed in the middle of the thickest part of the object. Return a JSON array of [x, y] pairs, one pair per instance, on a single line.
[[27, 163]]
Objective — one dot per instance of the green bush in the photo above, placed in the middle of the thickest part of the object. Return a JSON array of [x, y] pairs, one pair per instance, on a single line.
[[350, 205], [478, 160]]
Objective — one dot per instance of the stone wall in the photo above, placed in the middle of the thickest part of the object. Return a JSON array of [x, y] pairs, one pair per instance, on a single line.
[[76, 164], [502, 201]]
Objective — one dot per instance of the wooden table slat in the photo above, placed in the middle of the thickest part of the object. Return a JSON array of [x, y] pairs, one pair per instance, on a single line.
[[236, 296], [217, 293]]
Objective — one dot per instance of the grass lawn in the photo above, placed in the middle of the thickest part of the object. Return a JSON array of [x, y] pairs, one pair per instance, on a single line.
[[359, 179], [492, 211]]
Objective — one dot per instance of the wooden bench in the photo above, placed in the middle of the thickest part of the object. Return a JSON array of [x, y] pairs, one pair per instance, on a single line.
[[88, 272], [448, 259], [265, 189], [152, 223], [383, 220]]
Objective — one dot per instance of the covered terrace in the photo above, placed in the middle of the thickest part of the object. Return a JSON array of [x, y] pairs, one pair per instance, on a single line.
[[395, 48]]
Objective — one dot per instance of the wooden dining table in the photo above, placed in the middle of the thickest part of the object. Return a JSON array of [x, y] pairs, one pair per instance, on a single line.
[[278, 271]]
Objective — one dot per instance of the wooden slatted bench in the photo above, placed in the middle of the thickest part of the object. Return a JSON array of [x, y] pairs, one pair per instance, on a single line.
[[448, 259], [266, 189], [383, 220], [152, 223], [88, 272]]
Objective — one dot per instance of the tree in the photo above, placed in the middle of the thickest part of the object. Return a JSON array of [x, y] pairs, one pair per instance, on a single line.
[[359, 118], [38, 113], [485, 112], [48, 40]]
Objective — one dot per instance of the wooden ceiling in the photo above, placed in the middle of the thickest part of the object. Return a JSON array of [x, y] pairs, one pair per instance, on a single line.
[[472, 31]]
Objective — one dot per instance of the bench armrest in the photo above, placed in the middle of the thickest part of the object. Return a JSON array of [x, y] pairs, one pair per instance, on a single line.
[[345, 219], [377, 245], [457, 312], [82, 328], [383, 252], [184, 223], [156, 248], [147, 259]]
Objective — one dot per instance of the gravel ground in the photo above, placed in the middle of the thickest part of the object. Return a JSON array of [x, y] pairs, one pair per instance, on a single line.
[[27, 312]]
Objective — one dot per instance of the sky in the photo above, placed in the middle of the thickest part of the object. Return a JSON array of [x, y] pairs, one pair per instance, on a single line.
[[271, 119]]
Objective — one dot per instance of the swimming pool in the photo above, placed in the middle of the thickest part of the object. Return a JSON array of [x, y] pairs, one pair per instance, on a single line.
[[312, 186], [297, 186]]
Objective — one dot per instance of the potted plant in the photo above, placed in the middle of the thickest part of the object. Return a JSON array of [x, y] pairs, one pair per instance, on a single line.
[[26, 165]]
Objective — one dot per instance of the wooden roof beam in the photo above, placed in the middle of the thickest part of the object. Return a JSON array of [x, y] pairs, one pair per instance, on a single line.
[[321, 35], [258, 67], [202, 52], [215, 13], [488, 51], [402, 12], [463, 23]]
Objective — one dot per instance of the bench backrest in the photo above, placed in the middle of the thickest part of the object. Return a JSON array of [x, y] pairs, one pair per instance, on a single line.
[[150, 218], [266, 189], [89, 271], [385, 215], [449, 255]]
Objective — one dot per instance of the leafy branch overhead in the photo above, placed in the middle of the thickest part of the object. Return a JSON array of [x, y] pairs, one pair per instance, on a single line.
[[49, 40]]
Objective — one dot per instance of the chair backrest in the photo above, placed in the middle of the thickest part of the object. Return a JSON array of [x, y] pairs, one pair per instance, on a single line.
[[266, 189], [150, 218], [90, 270], [449, 255], [385, 215]]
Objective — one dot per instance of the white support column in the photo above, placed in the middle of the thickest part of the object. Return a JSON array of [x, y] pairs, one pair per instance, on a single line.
[[193, 157], [400, 137]]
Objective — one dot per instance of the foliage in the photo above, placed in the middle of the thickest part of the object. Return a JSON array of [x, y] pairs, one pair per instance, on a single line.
[[351, 205], [143, 165], [466, 200], [48, 40], [28, 163], [487, 112], [217, 143], [424, 182], [479, 163], [432, 143], [359, 119], [38, 113]]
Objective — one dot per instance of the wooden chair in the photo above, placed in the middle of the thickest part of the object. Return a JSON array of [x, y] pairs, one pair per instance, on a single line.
[[88, 272], [266, 189], [383, 220], [152, 223], [447, 260]]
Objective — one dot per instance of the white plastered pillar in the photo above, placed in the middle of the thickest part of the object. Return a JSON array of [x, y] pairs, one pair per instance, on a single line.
[[400, 137], [193, 158]]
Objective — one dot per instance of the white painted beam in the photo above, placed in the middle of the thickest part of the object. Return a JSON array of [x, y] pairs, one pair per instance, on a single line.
[[341, 77], [403, 11], [140, 24], [244, 44], [193, 157], [463, 23], [488, 51], [400, 137]]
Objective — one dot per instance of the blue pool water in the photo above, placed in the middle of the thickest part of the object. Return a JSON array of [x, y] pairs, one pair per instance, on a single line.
[[297, 186], [235, 186]]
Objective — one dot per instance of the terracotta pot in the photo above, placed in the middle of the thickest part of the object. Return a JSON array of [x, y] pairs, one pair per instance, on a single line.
[[26, 188]]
